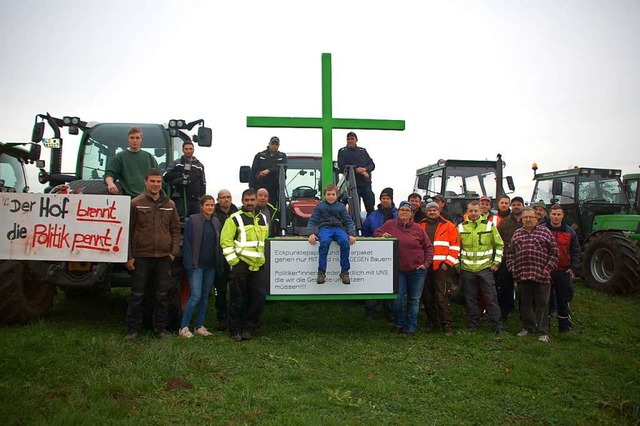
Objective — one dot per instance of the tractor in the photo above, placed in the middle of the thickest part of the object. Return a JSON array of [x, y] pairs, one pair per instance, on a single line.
[[300, 190], [24, 294], [597, 206], [99, 143], [462, 181], [633, 191]]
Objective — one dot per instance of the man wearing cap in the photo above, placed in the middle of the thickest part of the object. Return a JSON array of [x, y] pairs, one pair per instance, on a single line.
[[446, 248], [416, 202], [353, 155], [386, 210], [442, 205], [264, 171], [504, 278], [540, 208]]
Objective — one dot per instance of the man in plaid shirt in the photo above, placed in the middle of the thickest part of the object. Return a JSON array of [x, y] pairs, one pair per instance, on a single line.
[[532, 255]]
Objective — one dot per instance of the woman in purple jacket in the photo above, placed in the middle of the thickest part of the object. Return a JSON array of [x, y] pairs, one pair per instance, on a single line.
[[416, 254]]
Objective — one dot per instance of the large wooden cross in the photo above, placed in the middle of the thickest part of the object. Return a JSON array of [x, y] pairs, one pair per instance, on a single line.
[[327, 122]]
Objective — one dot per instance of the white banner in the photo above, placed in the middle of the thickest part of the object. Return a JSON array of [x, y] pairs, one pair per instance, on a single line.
[[293, 268], [65, 227]]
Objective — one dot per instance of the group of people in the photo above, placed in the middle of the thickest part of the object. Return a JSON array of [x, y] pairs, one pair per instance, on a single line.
[[223, 247], [492, 252]]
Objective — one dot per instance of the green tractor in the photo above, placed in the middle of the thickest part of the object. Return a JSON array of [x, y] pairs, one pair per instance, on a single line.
[[24, 294], [597, 206]]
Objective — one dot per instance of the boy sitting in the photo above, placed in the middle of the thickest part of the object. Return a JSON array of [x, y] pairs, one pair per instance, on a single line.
[[331, 219]]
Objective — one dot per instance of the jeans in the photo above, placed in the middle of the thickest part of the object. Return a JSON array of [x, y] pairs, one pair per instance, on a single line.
[[200, 282], [150, 274], [410, 284], [326, 235]]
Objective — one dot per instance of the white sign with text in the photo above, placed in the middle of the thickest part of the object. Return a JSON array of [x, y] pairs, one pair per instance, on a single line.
[[65, 227], [293, 268]]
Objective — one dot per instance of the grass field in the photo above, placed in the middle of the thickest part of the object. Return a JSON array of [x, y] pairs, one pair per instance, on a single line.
[[316, 363]]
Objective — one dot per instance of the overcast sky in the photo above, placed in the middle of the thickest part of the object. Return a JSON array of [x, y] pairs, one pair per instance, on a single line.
[[556, 82]]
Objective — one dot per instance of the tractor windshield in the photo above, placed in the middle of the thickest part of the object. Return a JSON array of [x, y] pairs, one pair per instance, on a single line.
[[103, 141], [595, 189], [303, 178], [12, 174], [470, 182]]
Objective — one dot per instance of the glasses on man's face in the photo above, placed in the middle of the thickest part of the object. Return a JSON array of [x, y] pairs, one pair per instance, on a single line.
[[529, 217], [404, 210]]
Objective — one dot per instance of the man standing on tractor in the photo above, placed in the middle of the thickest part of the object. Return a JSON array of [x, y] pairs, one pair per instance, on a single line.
[[568, 264], [154, 243], [353, 155], [264, 170], [129, 166], [242, 241], [186, 177]]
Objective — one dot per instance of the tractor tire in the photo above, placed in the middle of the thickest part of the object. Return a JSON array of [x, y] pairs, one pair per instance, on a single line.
[[23, 296], [611, 263]]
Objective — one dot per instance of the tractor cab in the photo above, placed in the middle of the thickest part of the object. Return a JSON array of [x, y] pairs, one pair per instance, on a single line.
[[462, 181], [584, 193], [12, 160], [100, 142]]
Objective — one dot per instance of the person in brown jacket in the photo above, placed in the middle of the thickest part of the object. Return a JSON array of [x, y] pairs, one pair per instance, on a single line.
[[154, 242]]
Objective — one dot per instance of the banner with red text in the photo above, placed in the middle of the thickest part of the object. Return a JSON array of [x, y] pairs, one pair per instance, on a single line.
[[65, 227]]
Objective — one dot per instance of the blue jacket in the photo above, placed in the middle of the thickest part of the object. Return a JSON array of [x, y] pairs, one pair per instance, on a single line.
[[358, 157], [375, 220], [327, 215]]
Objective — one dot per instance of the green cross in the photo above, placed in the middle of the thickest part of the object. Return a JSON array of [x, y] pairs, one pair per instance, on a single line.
[[327, 122]]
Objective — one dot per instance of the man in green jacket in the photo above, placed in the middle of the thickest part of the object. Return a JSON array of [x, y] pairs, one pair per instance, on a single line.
[[242, 240], [480, 255]]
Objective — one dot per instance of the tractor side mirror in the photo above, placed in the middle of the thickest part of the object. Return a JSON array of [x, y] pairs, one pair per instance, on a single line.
[[205, 136], [244, 174], [38, 132], [556, 187], [34, 151], [510, 184]]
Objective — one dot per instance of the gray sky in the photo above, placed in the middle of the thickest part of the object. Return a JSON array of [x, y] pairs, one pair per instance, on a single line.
[[554, 82]]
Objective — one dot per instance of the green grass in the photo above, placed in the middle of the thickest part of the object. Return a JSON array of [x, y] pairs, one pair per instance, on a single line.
[[321, 363]]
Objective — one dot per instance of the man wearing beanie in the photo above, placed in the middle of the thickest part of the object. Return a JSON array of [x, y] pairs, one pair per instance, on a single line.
[[446, 248], [386, 210]]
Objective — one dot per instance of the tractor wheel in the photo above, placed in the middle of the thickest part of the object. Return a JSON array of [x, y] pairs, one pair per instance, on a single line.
[[611, 263], [23, 296]]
